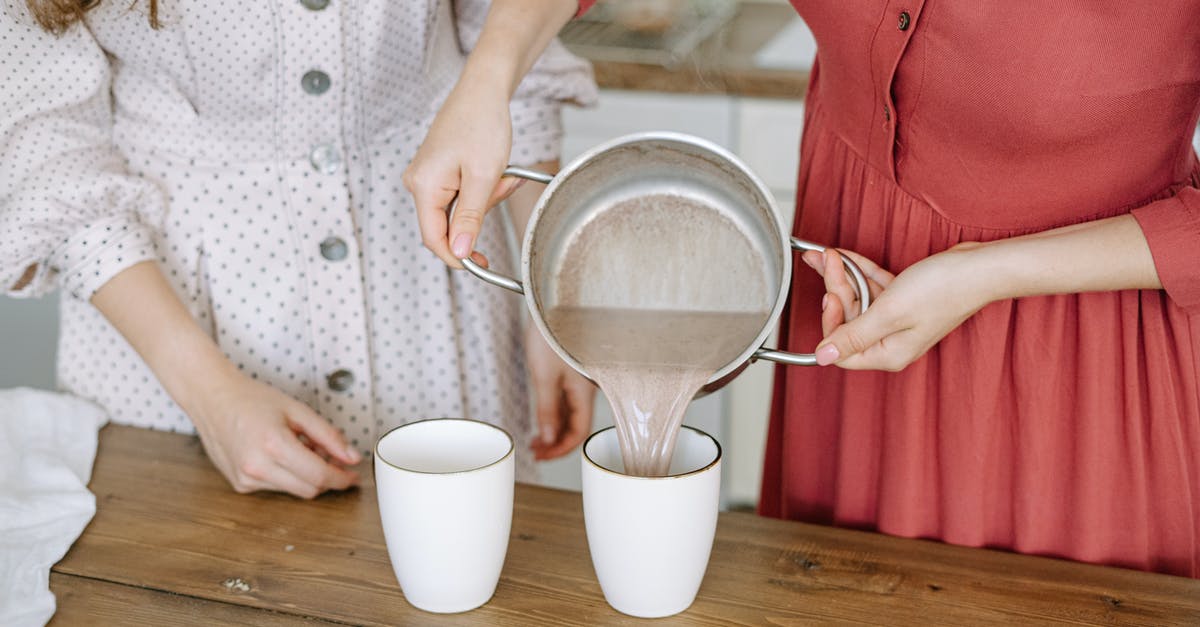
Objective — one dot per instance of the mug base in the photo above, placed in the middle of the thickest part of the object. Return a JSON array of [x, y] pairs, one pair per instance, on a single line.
[[651, 612], [449, 608]]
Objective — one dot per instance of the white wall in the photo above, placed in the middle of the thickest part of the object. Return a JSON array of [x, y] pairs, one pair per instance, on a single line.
[[28, 332]]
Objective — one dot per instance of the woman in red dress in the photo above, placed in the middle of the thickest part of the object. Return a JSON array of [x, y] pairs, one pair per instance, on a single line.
[[1018, 180]]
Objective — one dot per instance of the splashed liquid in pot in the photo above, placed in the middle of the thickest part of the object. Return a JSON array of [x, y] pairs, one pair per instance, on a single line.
[[659, 293]]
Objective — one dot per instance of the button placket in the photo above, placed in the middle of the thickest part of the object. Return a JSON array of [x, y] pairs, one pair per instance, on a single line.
[[895, 30], [312, 118]]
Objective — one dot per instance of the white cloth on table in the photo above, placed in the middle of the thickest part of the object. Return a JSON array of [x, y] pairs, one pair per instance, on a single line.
[[47, 446]]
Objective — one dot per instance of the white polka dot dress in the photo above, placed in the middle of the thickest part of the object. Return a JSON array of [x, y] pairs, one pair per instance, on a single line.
[[255, 150]]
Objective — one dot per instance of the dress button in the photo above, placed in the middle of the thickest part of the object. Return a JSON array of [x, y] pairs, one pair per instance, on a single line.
[[334, 249], [325, 159], [314, 5], [340, 380], [905, 20], [887, 114], [315, 82]]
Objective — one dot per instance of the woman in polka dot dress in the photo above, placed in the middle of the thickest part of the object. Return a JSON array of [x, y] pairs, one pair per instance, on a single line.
[[216, 187]]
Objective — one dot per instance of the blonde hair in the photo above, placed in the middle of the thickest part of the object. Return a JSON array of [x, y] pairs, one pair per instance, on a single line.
[[57, 16]]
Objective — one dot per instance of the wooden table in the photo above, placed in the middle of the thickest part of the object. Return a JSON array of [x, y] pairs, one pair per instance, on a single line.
[[172, 544]]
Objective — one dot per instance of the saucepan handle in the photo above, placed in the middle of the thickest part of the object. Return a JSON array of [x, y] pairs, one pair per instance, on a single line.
[[495, 278], [864, 300]]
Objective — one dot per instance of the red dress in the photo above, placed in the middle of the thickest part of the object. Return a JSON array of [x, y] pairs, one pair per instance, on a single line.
[[1065, 425]]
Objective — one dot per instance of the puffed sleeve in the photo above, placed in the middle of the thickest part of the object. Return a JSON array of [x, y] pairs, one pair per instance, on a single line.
[[68, 207], [557, 78], [1172, 229]]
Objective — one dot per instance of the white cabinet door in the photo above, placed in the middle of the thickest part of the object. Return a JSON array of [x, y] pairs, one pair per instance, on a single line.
[[769, 141]]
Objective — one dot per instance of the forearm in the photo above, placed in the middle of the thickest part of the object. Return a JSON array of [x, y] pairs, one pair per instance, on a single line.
[[514, 36], [143, 308], [1103, 255]]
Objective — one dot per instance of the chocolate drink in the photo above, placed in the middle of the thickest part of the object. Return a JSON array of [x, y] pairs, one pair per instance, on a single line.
[[650, 364], [656, 295]]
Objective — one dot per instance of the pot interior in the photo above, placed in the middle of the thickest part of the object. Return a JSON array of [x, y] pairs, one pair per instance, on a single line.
[[660, 226]]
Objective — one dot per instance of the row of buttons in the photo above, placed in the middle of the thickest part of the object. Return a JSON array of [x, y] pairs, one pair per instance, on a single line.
[[902, 23], [326, 160]]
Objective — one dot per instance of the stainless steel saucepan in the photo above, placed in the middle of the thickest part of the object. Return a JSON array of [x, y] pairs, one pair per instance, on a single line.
[[661, 164]]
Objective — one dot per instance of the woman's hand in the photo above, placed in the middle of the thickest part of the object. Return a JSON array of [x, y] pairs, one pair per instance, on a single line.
[[261, 439], [468, 145], [840, 303], [258, 437], [463, 156], [909, 313], [565, 399], [916, 309]]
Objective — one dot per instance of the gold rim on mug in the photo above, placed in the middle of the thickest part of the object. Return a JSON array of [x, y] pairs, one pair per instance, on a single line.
[[681, 475], [512, 446]]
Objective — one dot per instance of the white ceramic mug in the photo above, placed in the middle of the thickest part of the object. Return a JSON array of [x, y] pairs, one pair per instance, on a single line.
[[445, 491], [650, 537]]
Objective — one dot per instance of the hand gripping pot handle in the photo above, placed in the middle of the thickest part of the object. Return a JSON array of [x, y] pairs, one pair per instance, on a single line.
[[860, 288], [495, 278]]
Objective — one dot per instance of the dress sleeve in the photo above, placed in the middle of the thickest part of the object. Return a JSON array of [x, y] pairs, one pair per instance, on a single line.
[[1172, 229], [68, 207], [557, 78]]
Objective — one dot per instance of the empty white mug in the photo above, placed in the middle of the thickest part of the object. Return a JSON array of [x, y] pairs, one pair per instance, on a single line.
[[445, 490], [650, 537]]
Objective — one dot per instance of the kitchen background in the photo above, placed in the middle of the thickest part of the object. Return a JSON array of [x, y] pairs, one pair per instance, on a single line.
[[731, 72]]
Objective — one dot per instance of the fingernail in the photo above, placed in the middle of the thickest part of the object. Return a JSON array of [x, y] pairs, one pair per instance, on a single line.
[[353, 455], [461, 246], [827, 354], [547, 434], [824, 302], [519, 183]]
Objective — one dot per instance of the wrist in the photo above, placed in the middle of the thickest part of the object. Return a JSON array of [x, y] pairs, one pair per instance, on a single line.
[[986, 272], [491, 73], [197, 376], [514, 36]]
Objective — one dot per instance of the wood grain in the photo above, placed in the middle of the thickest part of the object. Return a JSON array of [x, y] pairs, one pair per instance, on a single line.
[[166, 521], [83, 601]]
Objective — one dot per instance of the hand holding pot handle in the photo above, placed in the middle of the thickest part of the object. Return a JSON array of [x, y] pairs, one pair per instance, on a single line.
[[495, 278], [860, 288]]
